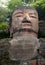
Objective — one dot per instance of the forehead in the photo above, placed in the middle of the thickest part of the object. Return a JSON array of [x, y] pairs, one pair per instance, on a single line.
[[25, 11]]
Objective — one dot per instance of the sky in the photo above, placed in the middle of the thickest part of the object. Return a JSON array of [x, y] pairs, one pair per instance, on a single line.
[[3, 1]]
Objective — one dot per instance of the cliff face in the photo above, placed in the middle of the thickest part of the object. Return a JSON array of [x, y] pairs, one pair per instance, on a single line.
[[42, 29]]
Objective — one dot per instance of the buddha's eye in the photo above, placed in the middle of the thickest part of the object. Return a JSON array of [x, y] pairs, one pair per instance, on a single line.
[[19, 16], [33, 16]]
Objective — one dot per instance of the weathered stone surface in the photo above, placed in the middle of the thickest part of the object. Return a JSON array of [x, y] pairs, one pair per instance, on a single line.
[[41, 28], [4, 58], [42, 47]]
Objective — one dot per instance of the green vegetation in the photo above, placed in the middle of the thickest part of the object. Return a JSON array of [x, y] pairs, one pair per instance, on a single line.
[[3, 25], [4, 29], [12, 4], [4, 12], [40, 6]]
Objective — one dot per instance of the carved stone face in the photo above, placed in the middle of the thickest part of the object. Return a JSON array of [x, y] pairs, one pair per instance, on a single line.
[[25, 20], [24, 43]]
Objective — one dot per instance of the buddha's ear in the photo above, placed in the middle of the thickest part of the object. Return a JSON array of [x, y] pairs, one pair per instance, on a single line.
[[41, 28], [10, 26], [11, 31]]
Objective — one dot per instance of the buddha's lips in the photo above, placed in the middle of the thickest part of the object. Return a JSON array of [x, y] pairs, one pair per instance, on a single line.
[[26, 25]]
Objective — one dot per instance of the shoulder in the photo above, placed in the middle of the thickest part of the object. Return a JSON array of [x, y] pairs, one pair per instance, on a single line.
[[42, 47], [42, 42], [4, 45], [4, 55]]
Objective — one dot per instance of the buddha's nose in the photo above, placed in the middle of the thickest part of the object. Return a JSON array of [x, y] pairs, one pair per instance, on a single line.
[[26, 20]]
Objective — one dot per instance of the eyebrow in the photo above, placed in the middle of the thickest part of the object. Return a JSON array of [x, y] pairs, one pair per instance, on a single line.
[[33, 13], [18, 13]]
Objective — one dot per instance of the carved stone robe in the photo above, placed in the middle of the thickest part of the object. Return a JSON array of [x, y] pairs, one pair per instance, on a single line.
[[38, 60]]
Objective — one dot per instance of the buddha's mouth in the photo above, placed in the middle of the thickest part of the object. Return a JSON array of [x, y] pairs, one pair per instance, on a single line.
[[26, 25]]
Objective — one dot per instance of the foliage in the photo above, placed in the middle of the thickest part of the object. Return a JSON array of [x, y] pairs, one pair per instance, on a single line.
[[14, 3], [3, 14], [26, 1], [3, 25], [40, 6], [4, 30], [39, 3]]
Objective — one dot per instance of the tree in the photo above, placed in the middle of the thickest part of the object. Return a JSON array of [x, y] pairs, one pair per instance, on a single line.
[[12, 4], [29, 1], [26, 1], [3, 14], [40, 6]]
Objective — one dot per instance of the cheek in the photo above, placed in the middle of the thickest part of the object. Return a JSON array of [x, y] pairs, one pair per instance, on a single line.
[[16, 22], [35, 25]]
